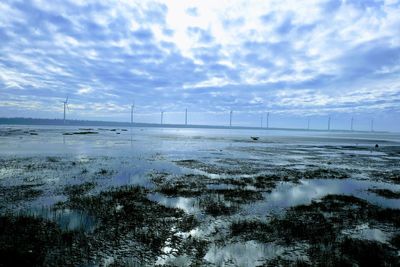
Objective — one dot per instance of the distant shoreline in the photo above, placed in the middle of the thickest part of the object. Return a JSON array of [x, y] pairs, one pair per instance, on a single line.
[[60, 122]]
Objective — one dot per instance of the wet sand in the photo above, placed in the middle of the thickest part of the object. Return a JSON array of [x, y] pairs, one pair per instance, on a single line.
[[108, 196]]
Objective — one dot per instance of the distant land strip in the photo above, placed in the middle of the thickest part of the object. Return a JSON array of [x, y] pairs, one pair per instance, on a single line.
[[60, 122]]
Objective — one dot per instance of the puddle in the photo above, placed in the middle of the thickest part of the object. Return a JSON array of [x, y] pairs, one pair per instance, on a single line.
[[189, 205], [249, 253], [224, 187], [67, 219], [287, 195], [365, 232]]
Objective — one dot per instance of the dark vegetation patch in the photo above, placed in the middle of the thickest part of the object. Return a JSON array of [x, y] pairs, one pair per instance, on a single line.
[[216, 207], [81, 133], [159, 178], [261, 182], [128, 226], [240, 167], [268, 181], [279, 261], [353, 252], [85, 132], [126, 214], [17, 193], [293, 175], [195, 185], [236, 169], [103, 171], [38, 166], [392, 176], [391, 150], [28, 241], [181, 189], [386, 193], [320, 224], [53, 159], [396, 241], [188, 185], [29, 164], [78, 189], [252, 230], [214, 201], [238, 195], [12, 132], [324, 173]]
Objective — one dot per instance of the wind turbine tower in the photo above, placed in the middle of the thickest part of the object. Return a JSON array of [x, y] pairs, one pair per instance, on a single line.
[[352, 124], [267, 120], [230, 118], [65, 108], [185, 116], [162, 116], [329, 123], [308, 124], [132, 109]]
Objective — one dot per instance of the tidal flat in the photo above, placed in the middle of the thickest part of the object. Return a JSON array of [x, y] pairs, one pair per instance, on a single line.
[[198, 197]]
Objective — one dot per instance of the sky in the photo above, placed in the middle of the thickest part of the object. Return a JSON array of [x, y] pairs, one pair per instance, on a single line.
[[297, 60]]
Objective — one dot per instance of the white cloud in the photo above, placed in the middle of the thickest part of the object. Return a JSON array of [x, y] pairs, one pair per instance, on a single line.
[[85, 90]]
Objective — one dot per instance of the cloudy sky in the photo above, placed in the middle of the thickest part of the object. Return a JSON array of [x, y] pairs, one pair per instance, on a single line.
[[294, 59]]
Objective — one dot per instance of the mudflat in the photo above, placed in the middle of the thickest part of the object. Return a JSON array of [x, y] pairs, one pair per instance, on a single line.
[[141, 196]]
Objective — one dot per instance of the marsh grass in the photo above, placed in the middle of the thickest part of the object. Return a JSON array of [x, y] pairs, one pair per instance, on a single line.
[[10, 194], [79, 189], [126, 211], [320, 225], [386, 193], [29, 241], [238, 195]]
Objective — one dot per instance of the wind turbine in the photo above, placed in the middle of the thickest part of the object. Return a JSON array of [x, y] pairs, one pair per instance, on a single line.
[[329, 123], [230, 118], [267, 120], [186, 116], [308, 124], [351, 124], [65, 108], [162, 116], [132, 109]]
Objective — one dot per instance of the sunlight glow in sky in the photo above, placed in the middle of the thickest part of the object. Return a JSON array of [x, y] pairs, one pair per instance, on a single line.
[[294, 59]]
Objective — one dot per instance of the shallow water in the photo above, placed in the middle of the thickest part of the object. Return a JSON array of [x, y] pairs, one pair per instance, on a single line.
[[67, 219], [136, 141], [288, 195], [249, 253], [149, 150]]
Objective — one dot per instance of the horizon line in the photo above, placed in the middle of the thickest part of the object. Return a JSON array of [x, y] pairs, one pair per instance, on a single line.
[[75, 122]]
